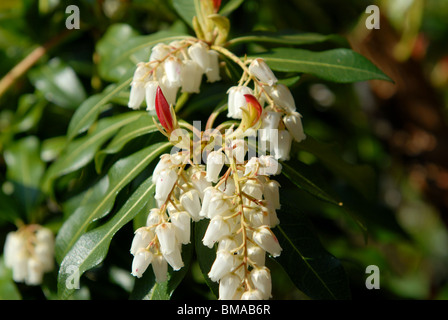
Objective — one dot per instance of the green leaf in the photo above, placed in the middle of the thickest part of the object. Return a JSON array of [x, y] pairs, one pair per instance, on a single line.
[[230, 6], [337, 65], [309, 184], [59, 83], [141, 126], [8, 289], [89, 110], [24, 169], [120, 59], [287, 38], [120, 175], [81, 151], [311, 268], [361, 177], [186, 9], [92, 247]]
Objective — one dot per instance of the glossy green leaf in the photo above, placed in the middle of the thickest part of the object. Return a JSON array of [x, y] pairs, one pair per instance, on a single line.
[[302, 180], [287, 38], [313, 270], [120, 175], [230, 6], [362, 177], [92, 247], [186, 9], [141, 126], [24, 170], [81, 151], [89, 110], [337, 65], [8, 289], [59, 83]]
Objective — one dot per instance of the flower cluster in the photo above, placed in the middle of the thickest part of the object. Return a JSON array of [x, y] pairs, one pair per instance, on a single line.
[[179, 65], [281, 123], [29, 253], [234, 189]]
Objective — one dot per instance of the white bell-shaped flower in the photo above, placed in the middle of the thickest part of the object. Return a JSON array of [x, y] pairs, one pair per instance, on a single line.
[[199, 180], [159, 52], [166, 180], [198, 52], [173, 70], [282, 96], [142, 238], [237, 149], [228, 286], [155, 217], [160, 268], [142, 259], [282, 146], [169, 89], [236, 101], [218, 205], [223, 264], [293, 123], [253, 188], [191, 77], [215, 162], [217, 229], [20, 267], [191, 202], [271, 194], [137, 95], [44, 254], [262, 72], [261, 278], [228, 187], [181, 221], [150, 95], [35, 273], [212, 72], [267, 241], [174, 259], [14, 243], [252, 294], [166, 233], [269, 121], [256, 254]]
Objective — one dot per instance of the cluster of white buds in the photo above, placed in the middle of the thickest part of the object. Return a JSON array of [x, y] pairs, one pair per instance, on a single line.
[[29, 253], [281, 123], [167, 227], [234, 189], [179, 65], [242, 208]]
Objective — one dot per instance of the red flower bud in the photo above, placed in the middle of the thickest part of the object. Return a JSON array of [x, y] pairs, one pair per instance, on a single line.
[[163, 111], [216, 5], [254, 108]]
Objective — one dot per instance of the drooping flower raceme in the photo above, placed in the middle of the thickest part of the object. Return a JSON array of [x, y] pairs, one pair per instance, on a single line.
[[233, 188], [29, 253]]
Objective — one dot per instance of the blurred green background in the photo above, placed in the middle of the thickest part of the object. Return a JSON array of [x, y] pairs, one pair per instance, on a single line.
[[399, 129]]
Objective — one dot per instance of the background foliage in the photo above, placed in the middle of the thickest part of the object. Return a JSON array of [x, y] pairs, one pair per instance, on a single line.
[[76, 160]]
